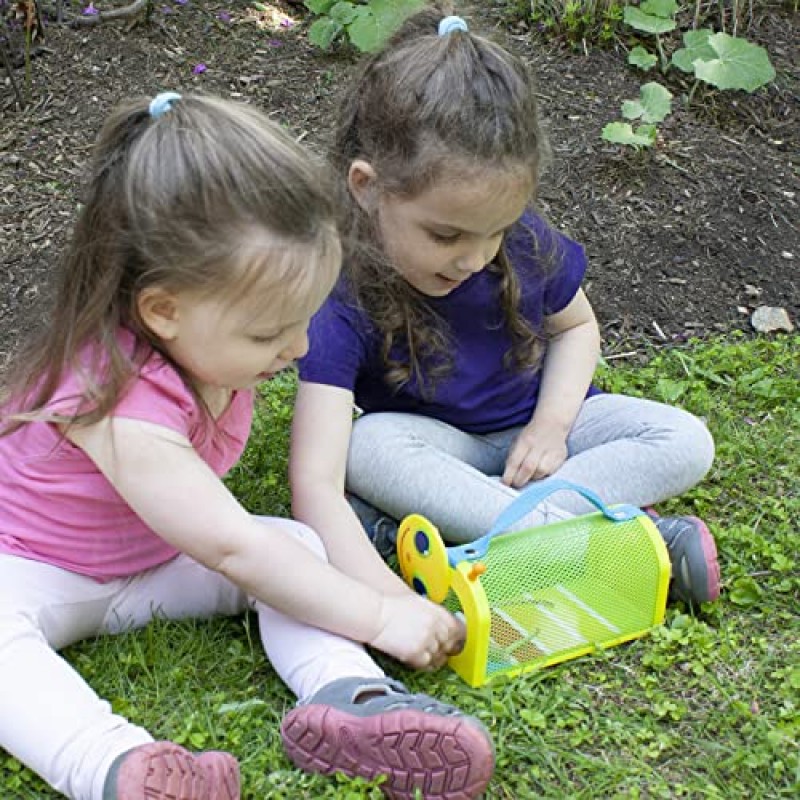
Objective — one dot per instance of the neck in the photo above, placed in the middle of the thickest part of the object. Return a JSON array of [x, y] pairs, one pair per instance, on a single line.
[[216, 398]]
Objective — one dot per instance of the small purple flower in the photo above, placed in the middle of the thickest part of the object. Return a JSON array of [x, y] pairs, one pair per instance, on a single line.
[[224, 16], [166, 10], [199, 69], [181, 2], [287, 23], [275, 43], [90, 10]]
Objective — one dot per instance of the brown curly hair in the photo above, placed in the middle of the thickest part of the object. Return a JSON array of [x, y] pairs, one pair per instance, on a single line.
[[423, 106]]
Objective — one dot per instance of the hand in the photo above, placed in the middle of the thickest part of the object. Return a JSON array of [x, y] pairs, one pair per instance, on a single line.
[[537, 453], [418, 632]]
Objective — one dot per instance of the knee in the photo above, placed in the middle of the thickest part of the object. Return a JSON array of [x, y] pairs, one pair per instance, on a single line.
[[303, 533], [695, 447], [380, 438], [16, 625], [372, 431]]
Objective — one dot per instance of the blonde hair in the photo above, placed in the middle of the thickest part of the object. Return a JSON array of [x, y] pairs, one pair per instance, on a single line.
[[425, 108], [211, 196]]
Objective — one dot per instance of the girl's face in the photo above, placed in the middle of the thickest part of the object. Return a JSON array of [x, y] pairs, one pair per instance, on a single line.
[[230, 347], [452, 230], [224, 344]]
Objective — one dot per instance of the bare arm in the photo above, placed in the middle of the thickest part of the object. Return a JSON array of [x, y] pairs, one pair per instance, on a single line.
[[323, 420], [161, 477], [569, 364]]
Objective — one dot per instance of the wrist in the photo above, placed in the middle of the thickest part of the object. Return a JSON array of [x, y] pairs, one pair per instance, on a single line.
[[377, 623], [552, 422]]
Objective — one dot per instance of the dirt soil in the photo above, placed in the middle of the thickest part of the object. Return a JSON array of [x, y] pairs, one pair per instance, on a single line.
[[684, 240]]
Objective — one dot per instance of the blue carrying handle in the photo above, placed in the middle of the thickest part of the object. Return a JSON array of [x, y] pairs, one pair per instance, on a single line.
[[526, 502]]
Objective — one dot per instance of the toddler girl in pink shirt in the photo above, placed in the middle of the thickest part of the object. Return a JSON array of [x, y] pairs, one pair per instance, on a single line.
[[206, 243]]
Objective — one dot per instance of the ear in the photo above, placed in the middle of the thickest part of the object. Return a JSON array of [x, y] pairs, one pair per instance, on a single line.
[[362, 182], [159, 312]]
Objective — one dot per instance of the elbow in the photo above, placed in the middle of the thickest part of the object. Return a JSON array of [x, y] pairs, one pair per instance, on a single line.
[[223, 559]]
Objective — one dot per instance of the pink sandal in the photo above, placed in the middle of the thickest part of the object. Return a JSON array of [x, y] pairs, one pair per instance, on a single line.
[[166, 771], [371, 727]]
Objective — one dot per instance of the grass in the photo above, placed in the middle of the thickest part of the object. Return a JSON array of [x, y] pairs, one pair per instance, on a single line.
[[705, 707]]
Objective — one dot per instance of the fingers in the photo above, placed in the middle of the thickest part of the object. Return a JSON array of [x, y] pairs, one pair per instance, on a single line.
[[534, 466], [523, 465], [430, 661], [524, 473], [512, 467], [445, 637], [450, 641]]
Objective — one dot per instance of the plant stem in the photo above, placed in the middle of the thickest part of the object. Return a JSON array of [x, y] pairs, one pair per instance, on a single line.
[[28, 39], [662, 56], [692, 91]]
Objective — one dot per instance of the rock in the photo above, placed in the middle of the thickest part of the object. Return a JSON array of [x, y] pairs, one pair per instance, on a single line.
[[766, 319]]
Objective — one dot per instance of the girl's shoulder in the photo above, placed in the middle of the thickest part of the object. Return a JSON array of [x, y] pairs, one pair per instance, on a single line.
[[156, 387], [534, 245], [343, 311], [152, 378]]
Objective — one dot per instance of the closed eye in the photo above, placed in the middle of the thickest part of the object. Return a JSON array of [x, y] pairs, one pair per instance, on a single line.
[[452, 238], [444, 238], [263, 339]]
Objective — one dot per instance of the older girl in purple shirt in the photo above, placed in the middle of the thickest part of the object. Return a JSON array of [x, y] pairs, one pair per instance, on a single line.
[[460, 329]]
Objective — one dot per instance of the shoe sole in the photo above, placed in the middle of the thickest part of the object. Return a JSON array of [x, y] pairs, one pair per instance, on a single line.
[[165, 771], [444, 758], [711, 572], [222, 770]]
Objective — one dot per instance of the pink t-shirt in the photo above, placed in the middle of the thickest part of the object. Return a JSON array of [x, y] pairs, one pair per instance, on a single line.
[[57, 507]]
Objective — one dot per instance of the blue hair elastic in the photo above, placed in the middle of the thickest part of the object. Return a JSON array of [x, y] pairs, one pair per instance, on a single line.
[[162, 103], [450, 24]]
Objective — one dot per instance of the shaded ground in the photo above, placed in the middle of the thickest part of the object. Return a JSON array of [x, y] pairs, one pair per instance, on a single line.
[[683, 240]]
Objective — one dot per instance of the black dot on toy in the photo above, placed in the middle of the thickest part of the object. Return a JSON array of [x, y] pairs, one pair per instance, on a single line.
[[422, 543]]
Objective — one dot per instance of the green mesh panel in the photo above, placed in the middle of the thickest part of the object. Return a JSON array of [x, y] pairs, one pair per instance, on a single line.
[[559, 588]]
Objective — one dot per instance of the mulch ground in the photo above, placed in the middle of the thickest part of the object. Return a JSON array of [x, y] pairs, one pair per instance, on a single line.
[[684, 240]]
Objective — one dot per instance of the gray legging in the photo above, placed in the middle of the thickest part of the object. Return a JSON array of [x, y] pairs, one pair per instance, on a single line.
[[626, 449]]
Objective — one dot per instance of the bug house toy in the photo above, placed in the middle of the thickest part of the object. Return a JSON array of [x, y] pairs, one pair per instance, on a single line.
[[536, 597]]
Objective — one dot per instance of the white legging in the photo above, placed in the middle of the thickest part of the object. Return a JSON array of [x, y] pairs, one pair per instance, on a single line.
[[53, 722], [625, 449]]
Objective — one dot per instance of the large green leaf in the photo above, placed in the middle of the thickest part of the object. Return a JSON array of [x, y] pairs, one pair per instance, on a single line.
[[319, 6], [660, 8], [654, 103], [639, 57], [695, 47], [623, 133], [739, 64], [649, 23], [343, 12], [380, 19], [323, 31]]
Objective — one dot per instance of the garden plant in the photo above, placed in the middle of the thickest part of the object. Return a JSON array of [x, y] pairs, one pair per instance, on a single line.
[[717, 59], [365, 23]]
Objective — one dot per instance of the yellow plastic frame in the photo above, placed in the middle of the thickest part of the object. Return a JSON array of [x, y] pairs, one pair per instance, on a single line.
[[430, 573]]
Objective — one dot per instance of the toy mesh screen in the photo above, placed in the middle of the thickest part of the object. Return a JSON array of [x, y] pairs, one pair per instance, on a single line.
[[562, 587]]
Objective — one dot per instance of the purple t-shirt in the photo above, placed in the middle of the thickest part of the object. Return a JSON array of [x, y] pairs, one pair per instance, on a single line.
[[479, 394]]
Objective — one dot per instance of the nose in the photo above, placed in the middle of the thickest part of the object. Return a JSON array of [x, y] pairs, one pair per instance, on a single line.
[[473, 261], [478, 256], [298, 347]]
